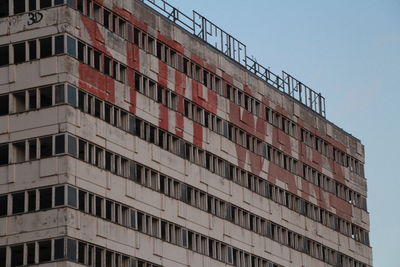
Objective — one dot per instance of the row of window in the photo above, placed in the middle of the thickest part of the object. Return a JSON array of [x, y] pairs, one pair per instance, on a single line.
[[163, 184], [118, 213], [58, 249], [22, 6], [191, 69], [336, 154], [136, 126], [192, 111], [334, 187]]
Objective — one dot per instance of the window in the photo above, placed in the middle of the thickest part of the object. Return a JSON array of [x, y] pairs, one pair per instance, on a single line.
[[45, 3], [32, 149], [32, 99], [46, 147], [32, 50], [71, 46], [44, 251], [32, 5], [59, 249], [3, 154], [4, 105], [17, 255], [46, 96], [72, 149], [59, 44], [59, 93], [18, 202], [81, 252], [81, 51], [30, 253], [3, 13], [99, 206], [99, 257], [97, 60], [45, 47], [31, 200], [3, 205], [59, 196], [19, 101], [72, 197], [4, 57], [46, 196], [19, 53], [107, 64], [60, 144], [71, 249]]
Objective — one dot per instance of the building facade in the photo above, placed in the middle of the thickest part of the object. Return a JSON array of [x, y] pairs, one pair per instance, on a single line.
[[127, 138]]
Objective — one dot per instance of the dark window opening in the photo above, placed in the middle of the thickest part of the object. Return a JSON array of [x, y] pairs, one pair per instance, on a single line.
[[60, 144], [18, 202], [44, 251], [59, 94], [107, 63], [58, 249], [31, 253], [72, 149], [32, 50], [99, 257], [32, 149], [59, 45], [46, 196], [3, 13], [4, 105], [46, 147], [3, 154], [81, 252], [45, 3], [99, 208], [81, 52], [3, 205], [31, 200], [4, 54], [19, 102], [17, 256], [32, 5], [97, 59], [59, 196], [19, 6], [32, 100], [46, 96], [45, 47], [19, 53]]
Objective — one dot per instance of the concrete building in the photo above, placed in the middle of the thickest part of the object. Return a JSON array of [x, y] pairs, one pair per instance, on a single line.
[[134, 135]]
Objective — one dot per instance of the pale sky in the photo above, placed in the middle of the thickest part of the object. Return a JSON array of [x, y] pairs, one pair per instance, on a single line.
[[350, 52]]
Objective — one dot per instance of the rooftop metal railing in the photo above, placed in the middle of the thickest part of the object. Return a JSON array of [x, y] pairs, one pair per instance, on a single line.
[[210, 33]]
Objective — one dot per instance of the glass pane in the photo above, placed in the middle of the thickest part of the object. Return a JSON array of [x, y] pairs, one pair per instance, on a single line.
[[72, 197], [59, 45], [71, 95], [72, 150], [59, 94], [59, 196], [60, 144], [46, 196], [59, 249], [71, 46]]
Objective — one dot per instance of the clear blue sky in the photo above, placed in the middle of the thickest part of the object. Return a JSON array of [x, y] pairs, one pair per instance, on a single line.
[[349, 51]]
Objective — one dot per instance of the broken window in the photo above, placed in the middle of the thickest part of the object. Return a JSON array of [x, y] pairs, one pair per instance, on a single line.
[[45, 47], [59, 94], [59, 196], [46, 96], [71, 249], [46, 196], [59, 44], [4, 57], [46, 147], [72, 197], [3, 154], [3, 13], [17, 255], [32, 99], [4, 105], [32, 5], [59, 249], [45, 3], [44, 251], [30, 253], [60, 144], [18, 200], [71, 46], [3, 205], [72, 149], [19, 101], [19, 53], [32, 200], [32, 50]]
